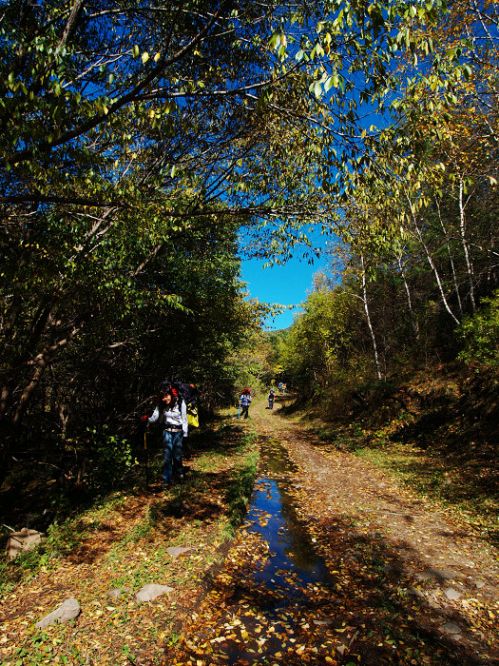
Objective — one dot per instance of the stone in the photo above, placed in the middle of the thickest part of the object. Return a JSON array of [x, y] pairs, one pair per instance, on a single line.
[[451, 628], [24, 540], [68, 610], [152, 591], [479, 584], [114, 594], [175, 551], [434, 575], [452, 594]]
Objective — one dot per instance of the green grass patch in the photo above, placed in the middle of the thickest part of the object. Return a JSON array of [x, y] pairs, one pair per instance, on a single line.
[[60, 540], [460, 488], [240, 487], [206, 508]]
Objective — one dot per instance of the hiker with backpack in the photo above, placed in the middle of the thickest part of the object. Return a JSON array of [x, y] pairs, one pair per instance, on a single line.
[[245, 402], [271, 398], [171, 414]]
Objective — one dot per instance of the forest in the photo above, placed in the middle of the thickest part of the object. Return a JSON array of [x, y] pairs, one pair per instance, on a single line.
[[146, 148]]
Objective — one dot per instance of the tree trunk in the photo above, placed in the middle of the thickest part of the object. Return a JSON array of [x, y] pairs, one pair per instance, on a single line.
[[462, 229], [368, 317], [451, 261], [434, 269], [414, 321]]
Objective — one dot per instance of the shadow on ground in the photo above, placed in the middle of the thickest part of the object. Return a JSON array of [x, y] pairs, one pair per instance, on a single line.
[[372, 612]]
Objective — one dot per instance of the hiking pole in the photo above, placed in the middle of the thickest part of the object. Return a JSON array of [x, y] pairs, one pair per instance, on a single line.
[[146, 458]]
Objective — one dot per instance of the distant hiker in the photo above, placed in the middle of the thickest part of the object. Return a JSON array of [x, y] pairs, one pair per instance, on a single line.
[[245, 402], [271, 398], [171, 414]]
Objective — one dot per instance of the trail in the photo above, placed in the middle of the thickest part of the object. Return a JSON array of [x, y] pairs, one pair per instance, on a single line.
[[337, 564]]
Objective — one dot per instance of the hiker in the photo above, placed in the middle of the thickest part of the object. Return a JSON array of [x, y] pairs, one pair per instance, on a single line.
[[245, 401], [271, 398], [171, 413]]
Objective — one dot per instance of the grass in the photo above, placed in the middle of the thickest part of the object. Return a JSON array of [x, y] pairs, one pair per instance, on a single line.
[[61, 540], [201, 513], [239, 489], [452, 486], [217, 489], [439, 447]]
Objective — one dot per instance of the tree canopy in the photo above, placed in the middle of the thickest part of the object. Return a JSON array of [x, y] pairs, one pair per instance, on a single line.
[[138, 137]]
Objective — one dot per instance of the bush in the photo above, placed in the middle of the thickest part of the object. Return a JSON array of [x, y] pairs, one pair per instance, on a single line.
[[480, 334], [111, 457]]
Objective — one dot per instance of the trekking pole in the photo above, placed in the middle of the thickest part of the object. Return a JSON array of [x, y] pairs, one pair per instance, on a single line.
[[146, 459]]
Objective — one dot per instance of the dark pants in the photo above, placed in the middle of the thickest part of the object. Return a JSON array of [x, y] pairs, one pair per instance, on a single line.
[[172, 462], [244, 411]]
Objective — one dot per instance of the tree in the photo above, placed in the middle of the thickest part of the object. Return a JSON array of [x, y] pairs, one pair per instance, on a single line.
[[129, 128]]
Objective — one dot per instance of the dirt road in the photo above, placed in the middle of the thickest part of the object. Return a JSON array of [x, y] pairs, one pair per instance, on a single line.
[[338, 564]]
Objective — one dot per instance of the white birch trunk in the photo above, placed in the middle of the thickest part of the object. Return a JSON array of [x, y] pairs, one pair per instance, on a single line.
[[451, 260], [431, 262], [414, 320], [462, 228], [368, 317]]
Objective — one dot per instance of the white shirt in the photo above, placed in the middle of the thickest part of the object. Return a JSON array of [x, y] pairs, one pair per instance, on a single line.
[[177, 416]]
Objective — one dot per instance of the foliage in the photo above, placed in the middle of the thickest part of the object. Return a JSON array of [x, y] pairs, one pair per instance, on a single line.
[[111, 456], [480, 333], [324, 353], [415, 224], [135, 143]]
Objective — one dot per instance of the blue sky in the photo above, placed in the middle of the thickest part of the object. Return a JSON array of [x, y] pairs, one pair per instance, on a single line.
[[286, 285]]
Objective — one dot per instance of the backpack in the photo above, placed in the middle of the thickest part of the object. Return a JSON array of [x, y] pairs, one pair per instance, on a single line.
[[188, 392]]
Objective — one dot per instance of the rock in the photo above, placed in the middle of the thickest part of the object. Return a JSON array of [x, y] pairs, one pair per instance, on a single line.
[[452, 594], [152, 591], [114, 594], [434, 575], [479, 584], [21, 541], [451, 628], [68, 610], [175, 551]]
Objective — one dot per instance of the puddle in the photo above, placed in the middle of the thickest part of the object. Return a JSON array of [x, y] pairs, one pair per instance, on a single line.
[[272, 515], [293, 583], [280, 603]]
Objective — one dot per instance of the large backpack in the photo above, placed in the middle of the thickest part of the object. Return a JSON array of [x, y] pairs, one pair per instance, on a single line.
[[188, 392]]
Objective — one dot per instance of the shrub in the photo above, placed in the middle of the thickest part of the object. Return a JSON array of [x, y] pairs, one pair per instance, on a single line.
[[480, 334], [111, 457]]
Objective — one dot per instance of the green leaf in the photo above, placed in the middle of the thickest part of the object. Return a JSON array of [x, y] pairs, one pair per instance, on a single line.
[[316, 88]]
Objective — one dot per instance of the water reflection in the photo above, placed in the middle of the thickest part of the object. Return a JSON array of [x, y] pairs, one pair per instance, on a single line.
[[293, 562]]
